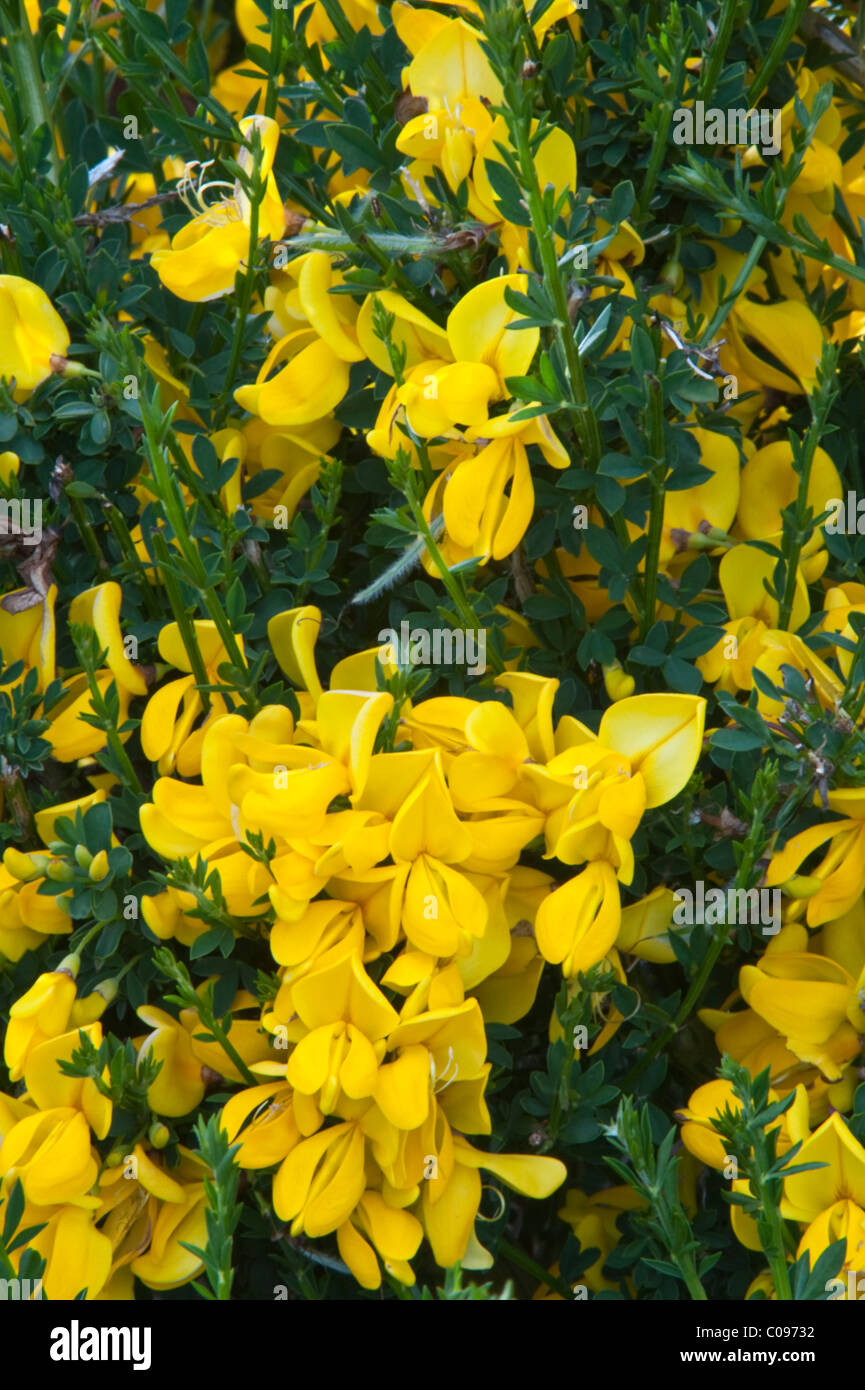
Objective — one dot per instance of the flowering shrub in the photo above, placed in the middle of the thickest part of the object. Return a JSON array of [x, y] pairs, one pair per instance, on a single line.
[[432, 690]]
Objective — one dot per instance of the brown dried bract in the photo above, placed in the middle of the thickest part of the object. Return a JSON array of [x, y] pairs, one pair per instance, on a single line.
[[35, 568], [407, 106]]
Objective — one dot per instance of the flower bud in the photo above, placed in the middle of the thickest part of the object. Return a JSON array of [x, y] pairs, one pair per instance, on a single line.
[[107, 989], [159, 1134], [60, 871], [99, 867], [83, 857], [672, 274], [25, 867], [618, 685], [70, 965], [64, 366]]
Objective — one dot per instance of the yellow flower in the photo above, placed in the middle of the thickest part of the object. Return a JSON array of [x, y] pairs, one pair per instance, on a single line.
[[449, 65], [481, 516], [578, 923], [31, 333], [294, 453], [50, 1153], [787, 329], [99, 608], [167, 737], [346, 1016], [71, 738], [181, 1221], [206, 254], [840, 1177], [50, 1089], [321, 1181], [698, 1133], [376, 1227], [262, 1121], [485, 349], [645, 927], [644, 753], [844, 1220], [39, 1015], [449, 1206], [712, 502], [130, 1197], [78, 1255], [178, 1088], [841, 872], [812, 1002], [707, 1104], [413, 332], [839, 604], [447, 139], [306, 390], [304, 295], [246, 1038], [507, 995], [769, 483], [29, 634]]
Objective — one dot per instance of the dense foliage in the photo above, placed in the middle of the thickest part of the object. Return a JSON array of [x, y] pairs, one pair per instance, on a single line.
[[432, 703]]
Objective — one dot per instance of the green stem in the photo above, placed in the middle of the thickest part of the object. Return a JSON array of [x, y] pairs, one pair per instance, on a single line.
[[795, 537], [167, 489], [785, 610], [381, 247], [87, 938], [774, 1250], [194, 482], [726, 304], [228, 1047], [114, 741], [451, 581], [718, 51], [761, 809], [120, 532], [185, 625], [248, 286], [277, 22], [689, 1003], [13, 135], [657, 157], [692, 1278], [588, 428], [29, 82], [656, 515], [85, 530], [789, 25]]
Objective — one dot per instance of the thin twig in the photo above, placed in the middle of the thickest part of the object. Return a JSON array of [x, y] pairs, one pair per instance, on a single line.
[[842, 53], [123, 212]]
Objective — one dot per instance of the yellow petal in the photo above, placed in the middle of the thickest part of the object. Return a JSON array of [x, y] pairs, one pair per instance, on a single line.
[[309, 387], [359, 1256], [532, 1174], [479, 328], [789, 331], [293, 636], [661, 735], [403, 1089]]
